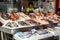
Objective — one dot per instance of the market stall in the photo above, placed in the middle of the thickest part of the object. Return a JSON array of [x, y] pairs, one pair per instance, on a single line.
[[24, 27], [40, 24]]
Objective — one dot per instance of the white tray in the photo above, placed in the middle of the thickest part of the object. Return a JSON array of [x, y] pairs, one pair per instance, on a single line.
[[34, 37]]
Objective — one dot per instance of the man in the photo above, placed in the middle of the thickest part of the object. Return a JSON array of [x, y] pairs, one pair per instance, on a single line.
[[30, 8]]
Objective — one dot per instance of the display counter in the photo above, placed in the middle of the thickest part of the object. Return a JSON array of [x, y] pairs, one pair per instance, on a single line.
[[24, 22]]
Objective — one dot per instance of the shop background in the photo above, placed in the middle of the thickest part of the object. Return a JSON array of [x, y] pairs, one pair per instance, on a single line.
[[22, 4], [59, 3]]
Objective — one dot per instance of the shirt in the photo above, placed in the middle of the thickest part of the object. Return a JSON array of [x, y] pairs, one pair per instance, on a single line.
[[30, 10]]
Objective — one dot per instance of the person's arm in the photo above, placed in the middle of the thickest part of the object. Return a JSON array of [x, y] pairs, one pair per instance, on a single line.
[[26, 11]]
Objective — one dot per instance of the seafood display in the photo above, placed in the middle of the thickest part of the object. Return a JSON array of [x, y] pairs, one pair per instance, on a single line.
[[23, 23], [14, 16], [11, 24], [25, 17], [53, 18], [32, 22], [40, 32], [28, 34], [5, 16]]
